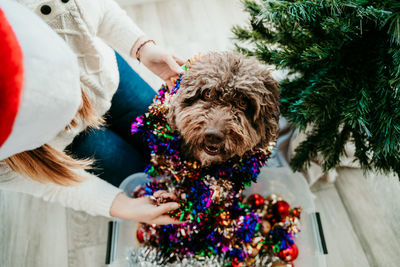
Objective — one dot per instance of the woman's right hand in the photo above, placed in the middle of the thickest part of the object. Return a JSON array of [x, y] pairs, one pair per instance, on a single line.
[[144, 209], [156, 59]]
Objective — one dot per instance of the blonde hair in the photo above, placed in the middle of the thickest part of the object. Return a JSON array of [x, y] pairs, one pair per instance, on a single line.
[[87, 114], [47, 164]]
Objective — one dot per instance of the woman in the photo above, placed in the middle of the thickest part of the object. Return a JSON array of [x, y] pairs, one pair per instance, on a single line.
[[45, 170]]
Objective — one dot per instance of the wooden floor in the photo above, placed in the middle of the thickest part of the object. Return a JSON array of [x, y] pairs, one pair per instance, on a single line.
[[38, 234]]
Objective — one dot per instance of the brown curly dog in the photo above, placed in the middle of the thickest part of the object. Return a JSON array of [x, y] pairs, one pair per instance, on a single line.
[[227, 104]]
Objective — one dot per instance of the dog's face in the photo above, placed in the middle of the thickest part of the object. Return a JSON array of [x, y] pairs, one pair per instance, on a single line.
[[226, 105]]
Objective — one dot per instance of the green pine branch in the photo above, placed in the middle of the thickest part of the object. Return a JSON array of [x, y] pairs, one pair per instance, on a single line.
[[345, 55]]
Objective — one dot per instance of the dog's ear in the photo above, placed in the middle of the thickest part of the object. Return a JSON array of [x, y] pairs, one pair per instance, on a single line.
[[272, 86], [186, 95], [269, 110], [171, 120], [190, 87], [171, 114]]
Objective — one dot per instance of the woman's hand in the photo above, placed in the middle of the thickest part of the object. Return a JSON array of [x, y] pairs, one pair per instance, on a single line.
[[144, 209], [161, 63]]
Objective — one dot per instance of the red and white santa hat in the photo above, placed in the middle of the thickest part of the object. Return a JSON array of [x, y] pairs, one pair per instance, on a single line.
[[39, 81]]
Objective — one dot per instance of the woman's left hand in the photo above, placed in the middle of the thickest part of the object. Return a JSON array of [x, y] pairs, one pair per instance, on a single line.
[[145, 209], [161, 63]]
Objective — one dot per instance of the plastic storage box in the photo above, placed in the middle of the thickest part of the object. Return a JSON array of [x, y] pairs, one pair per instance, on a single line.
[[278, 180]]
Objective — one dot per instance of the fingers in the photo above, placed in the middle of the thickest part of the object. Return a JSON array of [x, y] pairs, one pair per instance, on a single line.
[[164, 194], [165, 219], [179, 60], [165, 208], [158, 193], [173, 65], [168, 195]]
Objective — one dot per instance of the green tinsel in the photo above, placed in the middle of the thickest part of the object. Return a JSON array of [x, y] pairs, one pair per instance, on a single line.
[[343, 85]]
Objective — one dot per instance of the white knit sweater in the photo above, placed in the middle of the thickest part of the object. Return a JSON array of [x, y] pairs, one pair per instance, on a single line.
[[91, 28]]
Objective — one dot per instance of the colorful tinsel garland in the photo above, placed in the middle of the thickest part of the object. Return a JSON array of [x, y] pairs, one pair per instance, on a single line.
[[219, 220]]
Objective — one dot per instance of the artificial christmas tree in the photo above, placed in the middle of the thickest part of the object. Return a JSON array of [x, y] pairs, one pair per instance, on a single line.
[[343, 85]]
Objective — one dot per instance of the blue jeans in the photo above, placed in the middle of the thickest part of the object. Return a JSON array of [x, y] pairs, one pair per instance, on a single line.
[[117, 153]]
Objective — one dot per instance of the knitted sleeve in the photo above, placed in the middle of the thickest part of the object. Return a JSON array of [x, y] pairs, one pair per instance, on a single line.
[[93, 195], [116, 28]]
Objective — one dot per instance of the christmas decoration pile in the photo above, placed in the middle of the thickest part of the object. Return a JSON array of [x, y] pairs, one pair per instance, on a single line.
[[221, 227]]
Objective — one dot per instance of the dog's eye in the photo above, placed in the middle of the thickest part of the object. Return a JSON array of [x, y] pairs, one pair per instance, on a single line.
[[243, 103], [208, 94]]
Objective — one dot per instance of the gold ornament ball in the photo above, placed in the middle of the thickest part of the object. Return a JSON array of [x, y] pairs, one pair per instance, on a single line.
[[278, 264], [254, 252], [250, 261], [266, 227]]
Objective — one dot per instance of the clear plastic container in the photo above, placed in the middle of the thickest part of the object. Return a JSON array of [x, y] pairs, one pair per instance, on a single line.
[[278, 180]]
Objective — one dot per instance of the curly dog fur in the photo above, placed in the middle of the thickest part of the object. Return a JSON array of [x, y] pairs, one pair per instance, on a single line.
[[227, 105]]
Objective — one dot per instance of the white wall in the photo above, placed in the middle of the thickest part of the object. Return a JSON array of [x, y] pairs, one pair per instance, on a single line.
[[133, 2]]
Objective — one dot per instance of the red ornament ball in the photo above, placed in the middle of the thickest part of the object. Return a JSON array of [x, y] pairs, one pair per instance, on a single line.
[[256, 201], [142, 234], [281, 209], [296, 212], [236, 263], [289, 254]]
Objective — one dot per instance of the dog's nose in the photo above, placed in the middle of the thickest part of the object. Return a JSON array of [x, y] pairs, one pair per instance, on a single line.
[[214, 136]]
